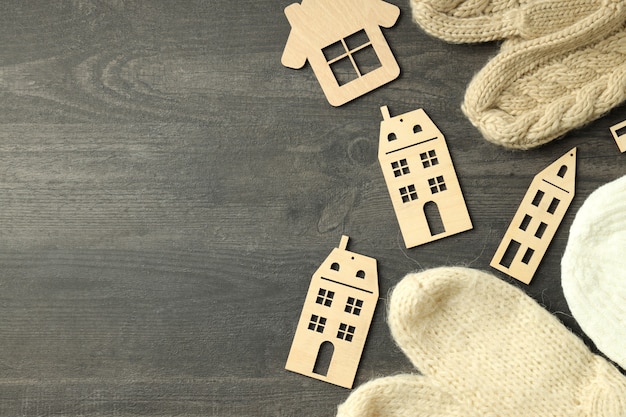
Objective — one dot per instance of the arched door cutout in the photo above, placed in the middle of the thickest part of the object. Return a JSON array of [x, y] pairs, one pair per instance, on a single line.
[[324, 357], [433, 218]]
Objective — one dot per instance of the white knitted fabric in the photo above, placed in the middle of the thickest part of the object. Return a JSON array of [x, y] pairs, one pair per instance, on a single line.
[[563, 65], [594, 269], [485, 349]]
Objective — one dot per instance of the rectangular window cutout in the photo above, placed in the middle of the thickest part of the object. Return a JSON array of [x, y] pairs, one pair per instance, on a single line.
[[527, 255], [509, 253], [620, 132], [553, 205], [541, 230], [525, 222], [538, 198]]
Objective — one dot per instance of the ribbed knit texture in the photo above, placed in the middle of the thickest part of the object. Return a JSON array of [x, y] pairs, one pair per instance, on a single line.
[[485, 349], [562, 66], [593, 269]]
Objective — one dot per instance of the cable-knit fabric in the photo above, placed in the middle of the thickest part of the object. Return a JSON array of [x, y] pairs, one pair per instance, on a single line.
[[468, 21], [562, 66], [485, 348], [593, 269]]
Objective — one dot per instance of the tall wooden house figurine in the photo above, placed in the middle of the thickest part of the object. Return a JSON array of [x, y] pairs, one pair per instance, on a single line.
[[537, 219], [336, 317], [344, 44], [619, 134], [424, 189]]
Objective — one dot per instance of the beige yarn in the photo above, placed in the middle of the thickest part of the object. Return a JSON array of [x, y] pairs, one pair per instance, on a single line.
[[563, 65], [469, 21], [485, 349], [402, 396]]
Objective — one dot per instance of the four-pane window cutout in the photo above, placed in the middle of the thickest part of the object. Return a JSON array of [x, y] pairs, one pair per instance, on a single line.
[[351, 58], [400, 167], [354, 306], [408, 193], [437, 184], [325, 297], [317, 323], [346, 332], [429, 158]]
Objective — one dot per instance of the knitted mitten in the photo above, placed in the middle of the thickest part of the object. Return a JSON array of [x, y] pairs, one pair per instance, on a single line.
[[593, 269], [468, 21], [563, 65], [494, 350]]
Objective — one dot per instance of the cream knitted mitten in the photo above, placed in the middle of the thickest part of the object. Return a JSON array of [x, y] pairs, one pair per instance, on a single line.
[[488, 349], [563, 65]]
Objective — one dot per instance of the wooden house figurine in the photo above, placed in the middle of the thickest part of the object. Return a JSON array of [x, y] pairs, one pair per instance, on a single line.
[[619, 134], [424, 189], [537, 219], [343, 42], [336, 317]]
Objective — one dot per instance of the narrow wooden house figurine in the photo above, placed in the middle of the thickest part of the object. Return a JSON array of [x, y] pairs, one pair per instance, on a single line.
[[537, 219], [424, 189], [343, 42], [619, 134], [336, 317]]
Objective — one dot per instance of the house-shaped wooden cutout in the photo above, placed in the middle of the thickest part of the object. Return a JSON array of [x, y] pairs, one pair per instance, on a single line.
[[537, 219], [424, 188], [619, 134], [336, 317], [343, 42]]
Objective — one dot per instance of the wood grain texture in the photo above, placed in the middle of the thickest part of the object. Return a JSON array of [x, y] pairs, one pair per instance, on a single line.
[[167, 188]]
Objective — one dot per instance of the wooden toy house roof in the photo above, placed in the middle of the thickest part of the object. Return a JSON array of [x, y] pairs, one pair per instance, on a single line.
[[316, 24]]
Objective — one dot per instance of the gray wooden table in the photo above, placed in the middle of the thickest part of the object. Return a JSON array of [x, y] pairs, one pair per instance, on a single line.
[[167, 189]]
